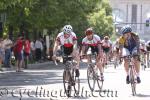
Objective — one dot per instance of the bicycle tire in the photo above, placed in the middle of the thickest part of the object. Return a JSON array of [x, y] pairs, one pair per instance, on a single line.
[[100, 83], [66, 82], [91, 75], [76, 81], [132, 81]]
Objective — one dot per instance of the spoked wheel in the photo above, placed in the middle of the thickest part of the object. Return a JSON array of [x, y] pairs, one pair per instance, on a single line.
[[100, 82], [91, 78], [76, 82], [66, 82], [133, 82]]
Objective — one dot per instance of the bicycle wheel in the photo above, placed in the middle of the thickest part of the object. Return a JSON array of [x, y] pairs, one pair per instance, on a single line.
[[76, 82], [66, 82], [99, 82], [91, 78], [133, 82]]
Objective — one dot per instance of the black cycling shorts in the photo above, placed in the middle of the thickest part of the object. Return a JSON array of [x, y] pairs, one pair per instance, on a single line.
[[94, 49], [67, 50]]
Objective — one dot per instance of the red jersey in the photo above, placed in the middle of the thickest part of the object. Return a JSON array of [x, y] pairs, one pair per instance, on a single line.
[[19, 46], [27, 46]]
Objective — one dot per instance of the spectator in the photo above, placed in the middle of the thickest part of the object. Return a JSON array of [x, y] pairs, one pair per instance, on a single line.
[[38, 49], [2, 53], [7, 46], [26, 51], [18, 49], [32, 54]]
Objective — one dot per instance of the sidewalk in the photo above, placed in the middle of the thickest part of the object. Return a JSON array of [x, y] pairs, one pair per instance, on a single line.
[[37, 66]]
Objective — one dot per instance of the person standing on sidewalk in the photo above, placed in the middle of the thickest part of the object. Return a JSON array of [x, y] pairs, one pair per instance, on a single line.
[[7, 46], [2, 53], [32, 54], [26, 51], [38, 49], [18, 49]]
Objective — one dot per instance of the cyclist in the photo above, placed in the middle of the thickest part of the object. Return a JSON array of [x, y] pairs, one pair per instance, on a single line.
[[143, 50], [129, 44], [107, 48], [93, 41], [148, 51], [68, 41]]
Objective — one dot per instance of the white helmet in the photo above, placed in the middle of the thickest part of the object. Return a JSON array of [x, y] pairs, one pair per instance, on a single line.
[[142, 41], [67, 29]]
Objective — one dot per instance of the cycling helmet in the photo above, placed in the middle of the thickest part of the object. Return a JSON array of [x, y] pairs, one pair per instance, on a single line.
[[125, 29], [148, 43], [89, 31], [142, 42], [67, 29]]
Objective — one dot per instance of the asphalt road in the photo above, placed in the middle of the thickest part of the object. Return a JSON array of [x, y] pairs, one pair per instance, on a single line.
[[44, 82]]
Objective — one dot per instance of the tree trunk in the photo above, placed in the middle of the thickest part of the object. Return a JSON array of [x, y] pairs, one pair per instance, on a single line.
[[10, 32]]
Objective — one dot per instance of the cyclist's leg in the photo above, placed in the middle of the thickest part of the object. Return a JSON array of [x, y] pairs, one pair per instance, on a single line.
[[126, 64], [100, 67], [75, 54], [137, 68], [137, 64]]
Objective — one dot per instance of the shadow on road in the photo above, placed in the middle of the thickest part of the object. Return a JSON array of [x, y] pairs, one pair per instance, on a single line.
[[41, 77], [142, 95]]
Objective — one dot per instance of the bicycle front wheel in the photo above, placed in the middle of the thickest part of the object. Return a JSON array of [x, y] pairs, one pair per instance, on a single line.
[[91, 78], [133, 82], [67, 83], [100, 82], [76, 82]]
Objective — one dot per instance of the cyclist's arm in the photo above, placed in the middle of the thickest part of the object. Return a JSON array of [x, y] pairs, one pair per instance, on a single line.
[[56, 44], [83, 50], [75, 47]]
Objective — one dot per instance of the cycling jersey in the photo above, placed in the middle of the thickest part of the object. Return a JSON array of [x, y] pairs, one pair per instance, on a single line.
[[66, 39], [94, 42], [129, 43], [106, 45]]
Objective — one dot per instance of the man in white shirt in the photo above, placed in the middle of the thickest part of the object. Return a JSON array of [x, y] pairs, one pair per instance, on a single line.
[[38, 49], [7, 46]]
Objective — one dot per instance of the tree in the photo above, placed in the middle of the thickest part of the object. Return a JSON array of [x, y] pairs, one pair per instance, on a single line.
[[101, 19], [35, 15]]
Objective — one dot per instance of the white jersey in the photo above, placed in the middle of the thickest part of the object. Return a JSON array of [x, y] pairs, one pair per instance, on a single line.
[[66, 39], [94, 42]]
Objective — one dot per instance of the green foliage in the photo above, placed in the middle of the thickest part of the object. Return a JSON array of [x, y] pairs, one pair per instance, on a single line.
[[101, 20], [36, 15]]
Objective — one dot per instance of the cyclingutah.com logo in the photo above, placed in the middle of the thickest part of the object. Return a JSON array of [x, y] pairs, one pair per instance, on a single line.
[[40, 92]]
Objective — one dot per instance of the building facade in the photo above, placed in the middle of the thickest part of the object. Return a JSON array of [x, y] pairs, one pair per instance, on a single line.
[[133, 12]]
